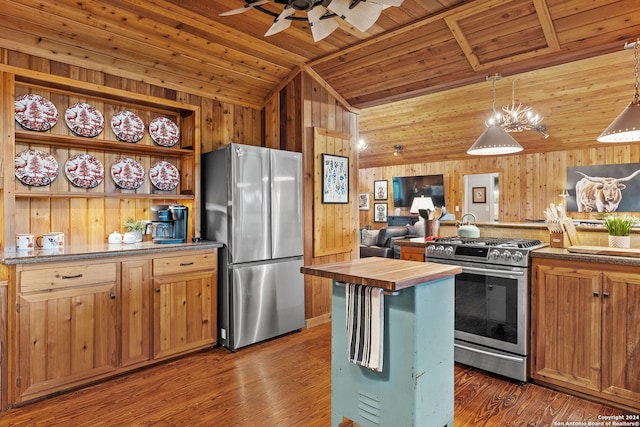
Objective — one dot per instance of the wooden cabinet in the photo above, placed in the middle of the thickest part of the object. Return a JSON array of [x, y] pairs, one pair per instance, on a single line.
[[184, 303], [411, 253], [621, 337], [88, 215], [78, 322], [585, 323], [136, 312], [169, 306], [66, 327]]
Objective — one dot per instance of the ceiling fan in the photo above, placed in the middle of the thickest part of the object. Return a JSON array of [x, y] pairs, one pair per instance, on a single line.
[[321, 14]]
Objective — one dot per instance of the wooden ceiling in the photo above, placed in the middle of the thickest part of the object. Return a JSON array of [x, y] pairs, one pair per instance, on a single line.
[[417, 77]]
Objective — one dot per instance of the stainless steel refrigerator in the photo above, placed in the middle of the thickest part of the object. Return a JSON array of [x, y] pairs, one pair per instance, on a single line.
[[252, 202]]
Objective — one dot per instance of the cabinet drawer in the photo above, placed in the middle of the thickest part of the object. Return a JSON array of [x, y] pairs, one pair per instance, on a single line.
[[185, 263], [64, 276]]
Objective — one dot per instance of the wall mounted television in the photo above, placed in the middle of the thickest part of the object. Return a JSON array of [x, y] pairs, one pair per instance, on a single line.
[[405, 188]]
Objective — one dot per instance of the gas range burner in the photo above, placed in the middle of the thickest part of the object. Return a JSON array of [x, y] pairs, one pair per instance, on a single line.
[[490, 250], [502, 242]]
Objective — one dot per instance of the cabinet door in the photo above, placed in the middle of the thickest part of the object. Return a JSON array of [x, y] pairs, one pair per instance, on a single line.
[[621, 337], [136, 312], [566, 313], [412, 254], [184, 312], [65, 338]]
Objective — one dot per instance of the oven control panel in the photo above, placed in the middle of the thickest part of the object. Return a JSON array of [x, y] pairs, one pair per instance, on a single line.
[[483, 254]]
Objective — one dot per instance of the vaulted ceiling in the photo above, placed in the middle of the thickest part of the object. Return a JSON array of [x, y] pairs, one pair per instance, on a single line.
[[417, 77]]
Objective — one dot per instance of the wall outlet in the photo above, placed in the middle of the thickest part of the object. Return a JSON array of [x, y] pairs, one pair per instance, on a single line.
[[457, 208]]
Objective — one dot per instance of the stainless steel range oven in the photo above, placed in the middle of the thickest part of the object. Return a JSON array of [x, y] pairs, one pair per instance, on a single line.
[[491, 301]]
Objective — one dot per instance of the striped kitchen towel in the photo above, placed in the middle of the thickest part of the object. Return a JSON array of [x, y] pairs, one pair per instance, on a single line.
[[365, 325]]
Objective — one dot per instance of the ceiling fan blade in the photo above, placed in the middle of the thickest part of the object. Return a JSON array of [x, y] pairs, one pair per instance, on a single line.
[[244, 8], [363, 16], [396, 3], [281, 23], [320, 28]]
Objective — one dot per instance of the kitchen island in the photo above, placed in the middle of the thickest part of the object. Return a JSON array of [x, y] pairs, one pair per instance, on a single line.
[[84, 314], [415, 387]]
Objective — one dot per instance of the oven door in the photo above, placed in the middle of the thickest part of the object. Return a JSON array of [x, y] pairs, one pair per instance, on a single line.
[[491, 305]]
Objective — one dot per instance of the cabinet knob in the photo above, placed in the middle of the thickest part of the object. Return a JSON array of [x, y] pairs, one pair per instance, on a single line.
[[112, 296], [596, 294], [605, 294], [158, 290]]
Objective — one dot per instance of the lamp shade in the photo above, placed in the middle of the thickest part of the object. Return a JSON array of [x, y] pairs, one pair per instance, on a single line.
[[421, 203], [626, 127], [494, 140]]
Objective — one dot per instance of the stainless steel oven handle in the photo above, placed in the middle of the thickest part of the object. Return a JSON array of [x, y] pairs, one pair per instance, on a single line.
[[491, 271], [488, 353]]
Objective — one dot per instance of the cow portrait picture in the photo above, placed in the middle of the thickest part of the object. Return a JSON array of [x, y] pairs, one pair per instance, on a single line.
[[604, 188]]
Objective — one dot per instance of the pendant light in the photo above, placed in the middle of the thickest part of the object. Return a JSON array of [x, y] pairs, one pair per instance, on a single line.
[[494, 140], [626, 127]]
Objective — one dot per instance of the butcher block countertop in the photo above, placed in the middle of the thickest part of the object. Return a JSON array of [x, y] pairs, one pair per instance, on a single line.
[[593, 254], [387, 273], [80, 252]]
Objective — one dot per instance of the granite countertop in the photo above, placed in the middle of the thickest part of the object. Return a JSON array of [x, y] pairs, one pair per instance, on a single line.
[[79, 252], [564, 254], [389, 274]]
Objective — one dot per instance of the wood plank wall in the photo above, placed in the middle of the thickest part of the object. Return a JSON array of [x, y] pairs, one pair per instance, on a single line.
[[305, 105], [527, 183]]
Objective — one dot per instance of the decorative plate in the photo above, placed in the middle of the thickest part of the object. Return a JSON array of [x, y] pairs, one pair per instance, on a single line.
[[84, 120], [35, 112], [164, 176], [127, 173], [164, 132], [36, 168], [84, 171], [127, 126]]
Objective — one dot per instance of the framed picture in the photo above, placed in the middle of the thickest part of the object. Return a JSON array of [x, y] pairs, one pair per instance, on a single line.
[[335, 179], [380, 190], [363, 201], [379, 212], [479, 194]]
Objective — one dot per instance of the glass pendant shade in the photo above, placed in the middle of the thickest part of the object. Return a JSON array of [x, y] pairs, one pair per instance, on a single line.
[[494, 140], [626, 127]]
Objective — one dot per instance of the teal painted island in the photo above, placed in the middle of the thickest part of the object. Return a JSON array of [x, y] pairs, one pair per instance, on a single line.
[[415, 384]]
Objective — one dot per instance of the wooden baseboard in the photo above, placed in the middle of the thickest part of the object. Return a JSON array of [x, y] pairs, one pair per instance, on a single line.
[[586, 396], [319, 320]]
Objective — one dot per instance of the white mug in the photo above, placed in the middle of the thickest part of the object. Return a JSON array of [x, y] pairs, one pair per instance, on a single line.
[[50, 241], [24, 242], [60, 238]]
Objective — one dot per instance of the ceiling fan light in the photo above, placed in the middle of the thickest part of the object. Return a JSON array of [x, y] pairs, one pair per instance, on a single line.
[[301, 4], [626, 127], [386, 3], [321, 28], [281, 23], [244, 8], [494, 140], [363, 16]]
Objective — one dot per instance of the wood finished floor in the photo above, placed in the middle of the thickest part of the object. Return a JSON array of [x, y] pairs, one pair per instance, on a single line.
[[283, 382]]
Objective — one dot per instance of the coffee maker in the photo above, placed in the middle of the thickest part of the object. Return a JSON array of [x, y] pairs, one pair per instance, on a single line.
[[168, 223]]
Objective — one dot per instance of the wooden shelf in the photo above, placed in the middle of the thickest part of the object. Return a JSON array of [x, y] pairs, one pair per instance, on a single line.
[[32, 137], [85, 195]]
